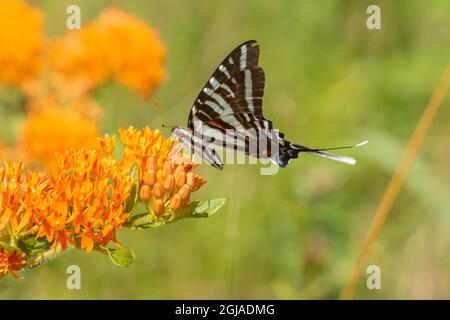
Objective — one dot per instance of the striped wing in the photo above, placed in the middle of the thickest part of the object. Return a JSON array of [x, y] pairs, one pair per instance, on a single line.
[[236, 87]]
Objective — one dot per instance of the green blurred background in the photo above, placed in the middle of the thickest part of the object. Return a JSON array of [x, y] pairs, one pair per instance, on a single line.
[[329, 81]]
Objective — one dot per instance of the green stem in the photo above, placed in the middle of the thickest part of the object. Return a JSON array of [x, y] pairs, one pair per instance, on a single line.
[[140, 220], [44, 257]]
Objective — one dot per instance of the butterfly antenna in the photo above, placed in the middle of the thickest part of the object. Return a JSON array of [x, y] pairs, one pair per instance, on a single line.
[[340, 148], [168, 126]]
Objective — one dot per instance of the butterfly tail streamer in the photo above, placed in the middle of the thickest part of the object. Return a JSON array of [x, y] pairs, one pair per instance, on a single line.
[[290, 151], [293, 150], [335, 157]]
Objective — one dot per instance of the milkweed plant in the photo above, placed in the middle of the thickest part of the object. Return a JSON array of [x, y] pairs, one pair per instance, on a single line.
[[63, 185], [91, 195]]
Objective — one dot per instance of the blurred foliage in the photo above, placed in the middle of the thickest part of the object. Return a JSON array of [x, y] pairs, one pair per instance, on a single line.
[[329, 81]]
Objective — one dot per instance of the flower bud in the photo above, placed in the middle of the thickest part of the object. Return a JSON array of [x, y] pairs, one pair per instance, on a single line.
[[167, 169], [149, 177], [159, 176], [158, 190], [169, 183], [180, 178], [190, 178], [175, 202], [198, 182], [158, 207], [146, 193], [185, 191]]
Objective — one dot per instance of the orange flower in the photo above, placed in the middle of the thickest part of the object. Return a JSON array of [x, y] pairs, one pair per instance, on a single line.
[[11, 195], [10, 262], [21, 41], [95, 53], [108, 144]]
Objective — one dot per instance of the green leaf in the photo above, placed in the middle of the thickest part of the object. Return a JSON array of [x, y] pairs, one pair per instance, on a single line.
[[186, 212], [199, 209], [195, 209], [132, 200], [140, 207], [121, 257], [207, 208], [32, 246]]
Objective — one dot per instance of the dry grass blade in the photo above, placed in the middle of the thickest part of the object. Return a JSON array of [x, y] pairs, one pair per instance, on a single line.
[[396, 182]]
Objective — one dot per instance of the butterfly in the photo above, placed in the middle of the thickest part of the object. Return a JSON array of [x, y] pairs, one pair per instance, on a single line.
[[228, 113]]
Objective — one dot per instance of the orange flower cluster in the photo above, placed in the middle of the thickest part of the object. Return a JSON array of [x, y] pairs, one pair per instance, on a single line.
[[83, 201], [166, 180], [54, 129], [93, 189], [21, 42], [114, 45], [83, 198]]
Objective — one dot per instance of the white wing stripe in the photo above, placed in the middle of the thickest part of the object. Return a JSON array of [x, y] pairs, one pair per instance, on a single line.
[[214, 106], [249, 90], [222, 103], [243, 62], [215, 84], [224, 70]]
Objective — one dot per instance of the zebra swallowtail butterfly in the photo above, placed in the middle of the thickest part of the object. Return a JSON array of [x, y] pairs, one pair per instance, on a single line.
[[230, 104]]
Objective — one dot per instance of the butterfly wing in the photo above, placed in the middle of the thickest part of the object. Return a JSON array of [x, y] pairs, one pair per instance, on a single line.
[[237, 86]]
